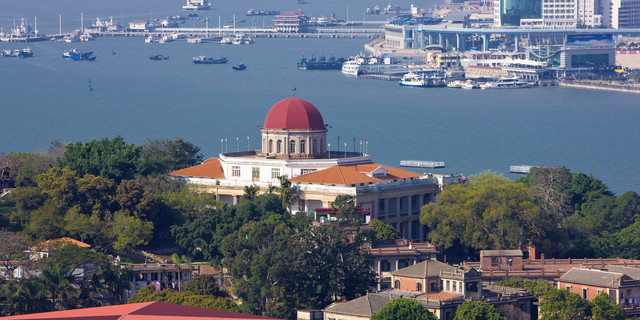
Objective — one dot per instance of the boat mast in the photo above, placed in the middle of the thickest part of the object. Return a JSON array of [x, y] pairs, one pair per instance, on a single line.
[[82, 22], [60, 24], [35, 24]]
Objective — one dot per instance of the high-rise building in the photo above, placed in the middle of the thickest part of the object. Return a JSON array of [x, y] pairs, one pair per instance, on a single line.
[[511, 12]]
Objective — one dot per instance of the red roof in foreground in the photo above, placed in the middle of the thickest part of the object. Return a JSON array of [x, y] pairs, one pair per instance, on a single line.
[[208, 169], [139, 311]]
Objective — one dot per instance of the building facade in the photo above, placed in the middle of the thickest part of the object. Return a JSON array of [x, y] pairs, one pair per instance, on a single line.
[[291, 21], [294, 144]]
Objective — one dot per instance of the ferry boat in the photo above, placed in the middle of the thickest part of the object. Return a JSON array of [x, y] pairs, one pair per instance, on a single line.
[[412, 79], [208, 60], [197, 5], [17, 53], [242, 38], [508, 83]]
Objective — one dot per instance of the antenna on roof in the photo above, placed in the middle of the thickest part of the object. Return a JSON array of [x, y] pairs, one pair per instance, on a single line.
[[294, 85]]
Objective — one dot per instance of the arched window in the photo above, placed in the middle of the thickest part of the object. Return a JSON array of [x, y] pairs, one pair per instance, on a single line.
[[279, 146], [419, 286], [321, 144], [396, 285], [314, 146], [270, 146], [292, 147], [302, 147]]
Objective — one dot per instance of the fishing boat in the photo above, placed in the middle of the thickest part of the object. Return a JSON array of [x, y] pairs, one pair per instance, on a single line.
[[208, 60], [17, 53], [77, 55], [158, 57], [320, 63], [239, 67]]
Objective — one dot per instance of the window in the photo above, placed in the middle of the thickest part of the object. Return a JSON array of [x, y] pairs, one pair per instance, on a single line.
[[453, 286], [447, 285], [275, 173], [292, 147], [494, 261], [314, 146], [434, 287], [235, 171], [270, 146], [302, 146], [584, 293], [396, 284], [568, 288], [279, 147], [418, 286], [509, 262], [255, 174], [305, 171]]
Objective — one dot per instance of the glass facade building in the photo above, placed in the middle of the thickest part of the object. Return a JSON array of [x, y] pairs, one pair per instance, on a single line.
[[512, 11]]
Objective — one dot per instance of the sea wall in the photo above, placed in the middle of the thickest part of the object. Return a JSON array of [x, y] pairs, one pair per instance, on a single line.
[[632, 88]]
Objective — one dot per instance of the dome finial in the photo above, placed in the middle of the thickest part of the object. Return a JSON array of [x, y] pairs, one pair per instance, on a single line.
[[294, 85]]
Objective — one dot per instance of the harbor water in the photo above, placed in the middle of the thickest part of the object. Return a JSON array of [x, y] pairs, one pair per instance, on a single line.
[[46, 98]]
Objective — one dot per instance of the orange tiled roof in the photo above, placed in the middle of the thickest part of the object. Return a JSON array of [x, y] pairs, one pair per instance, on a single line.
[[208, 169], [353, 174], [443, 296], [62, 241]]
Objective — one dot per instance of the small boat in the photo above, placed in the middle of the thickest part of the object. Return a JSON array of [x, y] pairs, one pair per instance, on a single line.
[[456, 84], [151, 39], [469, 84], [17, 53], [226, 40], [197, 5], [90, 87], [208, 60], [242, 38], [77, 55], [158, 57], [412, 79], [239, 67]]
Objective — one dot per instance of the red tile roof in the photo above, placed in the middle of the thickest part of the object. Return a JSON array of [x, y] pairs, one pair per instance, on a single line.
[[293, 113], [139, 311], [353, 174], [61, 242], [208, 169]]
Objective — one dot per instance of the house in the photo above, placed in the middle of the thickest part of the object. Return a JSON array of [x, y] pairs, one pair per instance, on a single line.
[[135, 311], [392, 255], [295, 144], [492, 260]]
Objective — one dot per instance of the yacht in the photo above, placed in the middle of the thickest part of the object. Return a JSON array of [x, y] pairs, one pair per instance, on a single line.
[[197, 5], [226, 40], [469, 84], [242, 38], [413, 80], [508, 83]]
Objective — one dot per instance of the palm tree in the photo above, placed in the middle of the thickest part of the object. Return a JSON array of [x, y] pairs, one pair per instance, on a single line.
[[117, 281], [287, 193], [251, 192], [188, 261], [59, 284], [176, 260]]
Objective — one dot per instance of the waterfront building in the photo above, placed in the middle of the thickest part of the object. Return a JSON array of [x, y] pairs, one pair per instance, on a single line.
[[138, 25], [294, 144], [291, 21]]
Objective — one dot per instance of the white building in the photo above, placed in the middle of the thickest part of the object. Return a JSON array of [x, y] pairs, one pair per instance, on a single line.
[[294, 143]]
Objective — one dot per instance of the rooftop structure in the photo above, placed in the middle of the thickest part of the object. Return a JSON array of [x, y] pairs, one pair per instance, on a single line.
[[291, 21]]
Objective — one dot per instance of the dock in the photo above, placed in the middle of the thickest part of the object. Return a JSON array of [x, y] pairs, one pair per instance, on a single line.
[[422, 164]]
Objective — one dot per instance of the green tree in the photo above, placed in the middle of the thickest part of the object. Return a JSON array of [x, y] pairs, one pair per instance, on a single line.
[[161, 156], [605, 308], [58, 283], [384, 231], [149, 293], [13, 247], [127, 231], [251, 192], [23, 297], [489, 212], [563, 305], [403, 308], [205, 285], [477, 310], [288, 193], [108, 158], [536, 288], [175, 258]]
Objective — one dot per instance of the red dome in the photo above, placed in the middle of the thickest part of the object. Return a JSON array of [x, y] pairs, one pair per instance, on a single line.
[[293, 113]]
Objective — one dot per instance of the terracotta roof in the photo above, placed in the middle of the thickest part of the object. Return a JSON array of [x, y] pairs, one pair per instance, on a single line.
[[592, 277], [365, 305], [138, 311], [353, 174], [61, 242], [293, 113], [417, 270], [208, 169], [443, 296]]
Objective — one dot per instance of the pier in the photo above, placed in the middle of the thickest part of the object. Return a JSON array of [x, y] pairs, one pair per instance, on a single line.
[[422, 164]]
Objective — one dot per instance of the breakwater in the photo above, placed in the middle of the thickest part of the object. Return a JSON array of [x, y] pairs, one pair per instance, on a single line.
[[631, 88]]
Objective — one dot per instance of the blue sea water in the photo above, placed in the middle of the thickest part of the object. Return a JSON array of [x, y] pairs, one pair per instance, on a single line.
[[45, 98]]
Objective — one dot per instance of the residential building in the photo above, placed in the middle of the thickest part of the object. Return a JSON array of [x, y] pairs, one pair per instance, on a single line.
[[294, 144], [491, 260], [392, 255]]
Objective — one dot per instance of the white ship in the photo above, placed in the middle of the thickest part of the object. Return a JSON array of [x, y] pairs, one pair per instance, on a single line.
[[242, 38], [508, 83], [413, 80], [197, 5]]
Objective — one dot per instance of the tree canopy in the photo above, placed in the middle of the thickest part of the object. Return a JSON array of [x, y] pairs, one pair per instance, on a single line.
[[403, 308], [477, 310]]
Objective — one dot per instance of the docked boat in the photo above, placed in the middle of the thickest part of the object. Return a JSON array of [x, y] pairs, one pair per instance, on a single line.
[[209, 60], [469, 84], [17, 53], [456, 84], [239, 67], [412, 79], [226, 40], [320, 63], [508, 83], [197, 5], [242, 38], [151, 39], [158, 57], [252, 12]]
